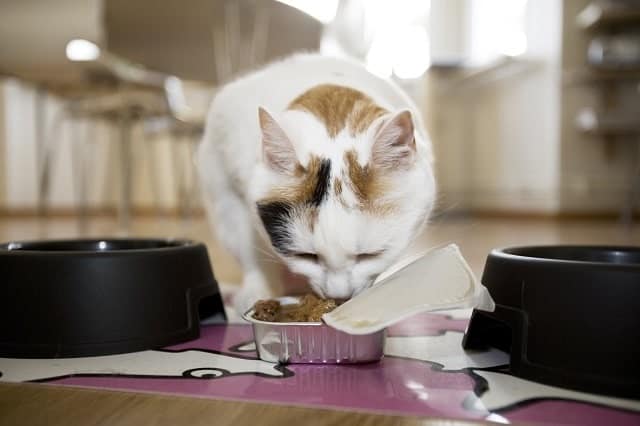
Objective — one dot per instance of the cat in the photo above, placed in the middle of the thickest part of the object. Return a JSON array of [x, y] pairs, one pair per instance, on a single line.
[[317, 164]]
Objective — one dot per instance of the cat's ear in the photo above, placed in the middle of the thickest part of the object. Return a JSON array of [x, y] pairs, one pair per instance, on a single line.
[[394, 145], [277, 150]]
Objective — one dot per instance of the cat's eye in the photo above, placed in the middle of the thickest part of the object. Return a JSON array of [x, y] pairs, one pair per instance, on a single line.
[[310, 257], [361, 257]]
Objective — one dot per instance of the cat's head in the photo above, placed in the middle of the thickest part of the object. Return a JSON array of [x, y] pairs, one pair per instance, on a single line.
[[339, 206]]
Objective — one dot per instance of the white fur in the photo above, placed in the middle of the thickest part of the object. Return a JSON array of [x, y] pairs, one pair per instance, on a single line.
[[234, 177]]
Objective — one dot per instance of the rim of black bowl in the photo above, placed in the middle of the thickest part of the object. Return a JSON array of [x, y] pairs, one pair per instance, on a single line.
[[94, 245], [588, 254]]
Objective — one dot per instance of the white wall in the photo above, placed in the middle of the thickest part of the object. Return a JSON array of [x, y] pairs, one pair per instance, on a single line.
[[496, 136], [449, 30]]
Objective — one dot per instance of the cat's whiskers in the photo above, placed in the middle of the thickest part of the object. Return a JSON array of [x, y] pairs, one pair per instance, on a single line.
[[267, 253], [267, 260]]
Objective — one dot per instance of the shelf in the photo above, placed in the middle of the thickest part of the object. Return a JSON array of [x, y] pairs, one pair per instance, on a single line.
[[600, 75], [612, 123], [598, 16], [501, 69]]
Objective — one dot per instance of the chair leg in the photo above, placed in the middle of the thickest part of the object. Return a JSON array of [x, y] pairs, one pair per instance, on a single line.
[[178, 172], [150, 145], [44, 174], [124, 208], [192, 188], [111, 159], [633, 193], [42, 152], [78, 172]]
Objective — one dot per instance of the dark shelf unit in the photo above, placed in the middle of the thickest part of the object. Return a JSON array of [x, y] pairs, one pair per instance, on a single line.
[[610, 122], [597, 17]]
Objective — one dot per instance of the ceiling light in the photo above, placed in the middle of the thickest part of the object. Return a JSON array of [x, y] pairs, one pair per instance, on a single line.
[[82, 50]]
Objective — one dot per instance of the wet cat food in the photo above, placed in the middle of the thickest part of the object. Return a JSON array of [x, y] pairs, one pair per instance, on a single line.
[[309, 309]]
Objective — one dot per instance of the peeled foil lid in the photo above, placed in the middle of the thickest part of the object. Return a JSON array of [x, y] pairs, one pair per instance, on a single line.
[[436, 280]]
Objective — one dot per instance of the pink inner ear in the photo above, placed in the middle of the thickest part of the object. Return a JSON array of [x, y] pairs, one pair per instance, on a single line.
[[277, 150], [395, 145]]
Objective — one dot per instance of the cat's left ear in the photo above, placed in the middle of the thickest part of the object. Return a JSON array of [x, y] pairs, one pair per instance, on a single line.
[[394, 144], [277, 150]]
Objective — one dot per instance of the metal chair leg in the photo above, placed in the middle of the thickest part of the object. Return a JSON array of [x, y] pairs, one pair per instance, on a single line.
[[192, 187], [150, 144], [633, 193], [81, 169], [178, 171], [42, 152], [124, 208]]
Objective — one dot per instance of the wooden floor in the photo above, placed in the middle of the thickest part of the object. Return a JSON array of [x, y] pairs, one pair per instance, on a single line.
[[50, 405], [31, 404], [475, 236]]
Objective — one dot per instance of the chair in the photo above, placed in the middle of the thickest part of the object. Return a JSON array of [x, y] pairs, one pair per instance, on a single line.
[[123, 95], [188, 102]]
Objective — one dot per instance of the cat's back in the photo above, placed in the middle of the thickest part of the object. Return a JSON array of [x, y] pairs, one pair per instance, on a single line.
[[232, 127], [276, 85]]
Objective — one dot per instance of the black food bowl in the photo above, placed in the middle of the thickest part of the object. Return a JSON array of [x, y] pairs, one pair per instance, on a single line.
[[97, 297], [568, 315]]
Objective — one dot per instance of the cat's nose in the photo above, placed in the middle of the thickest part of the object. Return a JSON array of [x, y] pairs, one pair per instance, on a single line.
[[337, 287]]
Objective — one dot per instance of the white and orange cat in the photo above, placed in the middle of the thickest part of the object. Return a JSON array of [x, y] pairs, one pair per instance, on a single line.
[[319, 164]]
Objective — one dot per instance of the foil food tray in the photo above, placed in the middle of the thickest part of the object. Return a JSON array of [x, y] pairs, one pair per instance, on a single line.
[[312, 342]]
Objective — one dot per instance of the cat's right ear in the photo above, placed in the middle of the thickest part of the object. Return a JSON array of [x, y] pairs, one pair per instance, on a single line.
[[395, 144], [277, 150]]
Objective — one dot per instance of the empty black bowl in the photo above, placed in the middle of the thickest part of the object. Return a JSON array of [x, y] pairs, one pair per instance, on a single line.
[[568, 315], [103, 296]]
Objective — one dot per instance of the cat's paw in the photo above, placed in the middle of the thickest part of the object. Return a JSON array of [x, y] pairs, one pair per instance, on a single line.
[[246, 297]]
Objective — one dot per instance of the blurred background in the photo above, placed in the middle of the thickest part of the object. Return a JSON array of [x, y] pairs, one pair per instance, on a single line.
[[533, 108]]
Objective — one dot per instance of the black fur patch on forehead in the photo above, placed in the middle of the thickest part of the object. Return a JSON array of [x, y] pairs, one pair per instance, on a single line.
[[278, 212], [276, 216], [321, 189]]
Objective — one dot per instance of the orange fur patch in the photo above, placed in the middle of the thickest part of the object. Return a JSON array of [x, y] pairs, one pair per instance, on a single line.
[[303, 190], [367, 184], [339, 107], [337, 186]]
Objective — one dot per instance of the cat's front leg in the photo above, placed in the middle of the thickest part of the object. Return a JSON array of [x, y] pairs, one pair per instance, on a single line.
[[253, 288], [262, 275]]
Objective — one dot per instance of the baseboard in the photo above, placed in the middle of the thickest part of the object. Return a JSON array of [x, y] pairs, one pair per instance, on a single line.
[[198, 212], [565, 204], [69, 212], [562, 215]]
